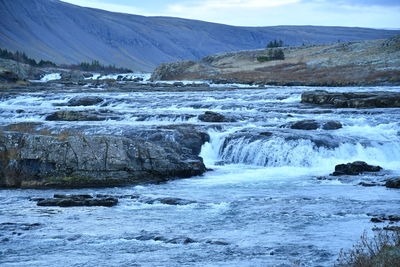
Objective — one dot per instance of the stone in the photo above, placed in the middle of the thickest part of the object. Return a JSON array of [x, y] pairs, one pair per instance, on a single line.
[[84, 101], [77, 201], [355, 168], [75, 115], [306, 125], [332, 125], [393, 183], [168, 201], [210, 116]]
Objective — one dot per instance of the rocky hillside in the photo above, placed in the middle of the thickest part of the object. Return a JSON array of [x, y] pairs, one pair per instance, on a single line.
[[354, 63], [64, 33]]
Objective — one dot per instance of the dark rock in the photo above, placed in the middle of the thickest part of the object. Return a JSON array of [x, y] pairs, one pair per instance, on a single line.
[[314, 125], [178, 84], [217, 242], [37, 161], [210, 116], [77, 201], [168, 201], [355, 168], [7, 76], [390, 218], [84, 101], [75, 115], [306, 125], [332, 125], [393, 183], [380, 99], [368, 184]]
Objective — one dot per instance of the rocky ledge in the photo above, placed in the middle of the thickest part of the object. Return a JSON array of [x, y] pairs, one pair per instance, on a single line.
[[30, 160], [380, 99]]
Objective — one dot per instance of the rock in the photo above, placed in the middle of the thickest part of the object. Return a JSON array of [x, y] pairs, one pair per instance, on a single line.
[[7, 76], [306, 125], [314, 125], [210, 116], [379, 99], [390, 218], [37, 161], [168, 201], [355, 168], [77, 201], [178, 84], [84, 101], [393, 183], [77, 115], [217, 242], [146, 236], [332, 125]]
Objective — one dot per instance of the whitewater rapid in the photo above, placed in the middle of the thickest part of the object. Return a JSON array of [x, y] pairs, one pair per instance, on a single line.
[[268, 197]]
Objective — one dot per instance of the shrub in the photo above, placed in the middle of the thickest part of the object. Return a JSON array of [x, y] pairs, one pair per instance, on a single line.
[[382, 250], [273, 54]]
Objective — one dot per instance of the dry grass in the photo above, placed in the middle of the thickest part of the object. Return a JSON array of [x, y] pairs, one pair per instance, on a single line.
[[381, 250]]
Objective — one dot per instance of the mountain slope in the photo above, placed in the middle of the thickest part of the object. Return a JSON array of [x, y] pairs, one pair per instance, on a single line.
[[65, 33]]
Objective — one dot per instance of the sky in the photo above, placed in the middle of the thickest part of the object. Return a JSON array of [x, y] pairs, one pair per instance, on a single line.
[[360, 13]]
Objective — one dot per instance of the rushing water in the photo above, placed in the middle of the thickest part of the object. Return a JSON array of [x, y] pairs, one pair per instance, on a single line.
[[264, 203]]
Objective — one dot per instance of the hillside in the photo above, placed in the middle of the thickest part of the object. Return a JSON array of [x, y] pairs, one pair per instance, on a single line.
[[354, 63], [67, 34]]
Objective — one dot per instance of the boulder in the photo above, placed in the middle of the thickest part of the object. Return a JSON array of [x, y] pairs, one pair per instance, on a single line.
[[314, 125], [355, 168], [77, 115], [210, 116], [84, 101], [37, 161], [332, 125], [381, 99], [393, 183], [306, 125], [78, 201]]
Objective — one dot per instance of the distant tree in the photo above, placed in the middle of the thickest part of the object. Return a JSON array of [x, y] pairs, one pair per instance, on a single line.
[[273, 54], [275, 43]]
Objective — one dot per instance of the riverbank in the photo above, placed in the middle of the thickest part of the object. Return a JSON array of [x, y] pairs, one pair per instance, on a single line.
[[375, 62]]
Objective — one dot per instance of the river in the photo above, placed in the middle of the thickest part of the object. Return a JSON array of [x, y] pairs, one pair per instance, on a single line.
[[268, 200]]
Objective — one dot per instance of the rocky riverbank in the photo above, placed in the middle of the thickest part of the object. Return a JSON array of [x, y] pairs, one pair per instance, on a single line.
[[374, 62]]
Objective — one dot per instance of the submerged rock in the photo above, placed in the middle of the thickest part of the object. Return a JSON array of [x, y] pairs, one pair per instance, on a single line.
[[210, 116], [168, 201], [77, 201], [355, 168], [39, 161], [84, 101], [393, 183], [380, 99]]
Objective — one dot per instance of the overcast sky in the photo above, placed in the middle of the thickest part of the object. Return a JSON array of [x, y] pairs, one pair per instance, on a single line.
[[362, 13]]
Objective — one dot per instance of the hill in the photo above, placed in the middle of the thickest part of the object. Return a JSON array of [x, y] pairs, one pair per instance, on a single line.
[[371, 62], [68, 34]]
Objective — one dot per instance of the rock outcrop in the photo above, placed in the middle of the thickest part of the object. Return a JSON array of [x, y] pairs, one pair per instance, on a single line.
[[355, 168], [39, 161], [379, 99]]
